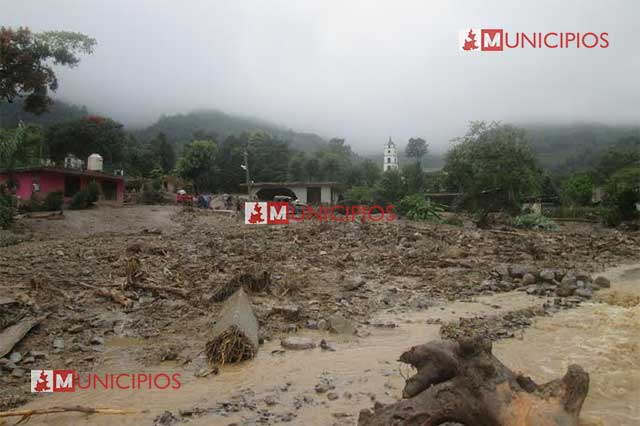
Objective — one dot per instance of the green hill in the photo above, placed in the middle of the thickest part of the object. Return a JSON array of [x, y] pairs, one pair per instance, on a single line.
[[568, 146], [12, 113], [180, 128]]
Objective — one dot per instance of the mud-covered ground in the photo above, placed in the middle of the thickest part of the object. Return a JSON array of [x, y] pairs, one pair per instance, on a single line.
[[150, 278]]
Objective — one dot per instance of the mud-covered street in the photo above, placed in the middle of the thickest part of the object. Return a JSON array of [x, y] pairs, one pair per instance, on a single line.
[[138, 288]]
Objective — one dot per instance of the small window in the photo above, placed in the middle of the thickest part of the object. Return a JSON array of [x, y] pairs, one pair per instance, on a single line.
[[388, 159]]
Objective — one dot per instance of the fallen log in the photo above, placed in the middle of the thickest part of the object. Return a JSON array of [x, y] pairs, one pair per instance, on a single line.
[[10, 336], [235, 333], [463, 382]]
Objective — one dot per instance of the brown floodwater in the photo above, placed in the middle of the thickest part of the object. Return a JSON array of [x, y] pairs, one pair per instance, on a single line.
[[602, 337]]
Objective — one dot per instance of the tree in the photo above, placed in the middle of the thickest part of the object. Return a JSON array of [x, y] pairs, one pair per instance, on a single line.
[[623, 191], [24, 71], [493, 165], [413, 177], [370, 172], [577, 189], [416, 148], [391, 187], [229, 158], [198, 164], [165, 152], [86, 136]]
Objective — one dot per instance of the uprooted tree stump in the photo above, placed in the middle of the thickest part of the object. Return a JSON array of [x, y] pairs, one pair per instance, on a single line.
[[463, 382], [235, 333]]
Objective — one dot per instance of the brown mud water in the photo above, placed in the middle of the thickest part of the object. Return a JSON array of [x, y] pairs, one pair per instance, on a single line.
[[321, 387]]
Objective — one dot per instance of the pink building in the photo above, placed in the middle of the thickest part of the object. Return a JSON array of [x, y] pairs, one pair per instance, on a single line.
[[37, 182]]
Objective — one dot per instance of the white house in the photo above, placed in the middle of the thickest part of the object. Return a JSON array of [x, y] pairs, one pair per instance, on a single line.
[[313, 193]]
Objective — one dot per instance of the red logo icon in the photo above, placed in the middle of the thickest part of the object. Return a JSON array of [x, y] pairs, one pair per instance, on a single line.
[[470, 42], [52, 381]]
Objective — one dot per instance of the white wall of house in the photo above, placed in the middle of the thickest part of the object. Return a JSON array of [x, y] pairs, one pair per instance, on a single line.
[[327, 196]]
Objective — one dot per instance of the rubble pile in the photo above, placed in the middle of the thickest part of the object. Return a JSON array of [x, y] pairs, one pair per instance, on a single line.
[[153, 285]]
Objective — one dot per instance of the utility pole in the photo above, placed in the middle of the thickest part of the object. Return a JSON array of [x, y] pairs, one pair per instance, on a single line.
[[245, 166]]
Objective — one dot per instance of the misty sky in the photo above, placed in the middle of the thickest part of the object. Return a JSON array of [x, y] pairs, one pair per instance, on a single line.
[[362, 70]]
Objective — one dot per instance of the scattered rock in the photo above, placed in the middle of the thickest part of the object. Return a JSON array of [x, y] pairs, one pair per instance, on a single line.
[[584, 292], [96, 340], [58, 343], [297, 343], [602, 282], [270, 400], [325, 346], [547, 275], [341, 325], [17, 373], [332, 396], [15, 357], [528, 279]]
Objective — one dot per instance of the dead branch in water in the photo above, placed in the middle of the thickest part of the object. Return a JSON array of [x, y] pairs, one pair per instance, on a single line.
[[26, 414]]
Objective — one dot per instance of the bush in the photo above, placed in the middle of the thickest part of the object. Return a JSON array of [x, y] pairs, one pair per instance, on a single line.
[[93, 192], [6, 208], [80, 200], [417, 207], [360, 194], [577, 189], [533, 221], [53, 201]]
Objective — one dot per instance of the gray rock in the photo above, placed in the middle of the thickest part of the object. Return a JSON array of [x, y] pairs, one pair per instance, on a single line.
[[297, 343], [602, 282], [528, 279], [341, 325], [17, 373], [547, 275], [332, 396], [566, 289], [97, 340], [518, 271], [323, 324], [584, 292], [270, 400], [582, 276], [323, 388], [326, 346], [15, 357], [28, 360], [58, 343], [38, 354], [569, 279], [312, 325]]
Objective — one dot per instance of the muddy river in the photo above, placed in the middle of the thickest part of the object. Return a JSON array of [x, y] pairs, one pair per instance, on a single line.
[[279, 387]]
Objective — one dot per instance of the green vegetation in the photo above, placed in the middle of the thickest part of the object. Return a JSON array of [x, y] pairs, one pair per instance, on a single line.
[[533, 221], [53, 201], [577, 189], [493, 166], [417, 207]]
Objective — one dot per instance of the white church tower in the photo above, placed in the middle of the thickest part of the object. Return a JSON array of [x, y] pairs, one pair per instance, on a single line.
[[390, 157]]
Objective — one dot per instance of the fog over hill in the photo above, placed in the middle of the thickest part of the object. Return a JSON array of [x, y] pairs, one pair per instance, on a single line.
[[359, 70]]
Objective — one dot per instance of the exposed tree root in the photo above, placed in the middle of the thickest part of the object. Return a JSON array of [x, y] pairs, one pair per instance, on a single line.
[[463, 382]]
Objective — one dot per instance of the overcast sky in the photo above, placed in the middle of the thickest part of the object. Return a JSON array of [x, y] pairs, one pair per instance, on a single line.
[[362, 70]]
